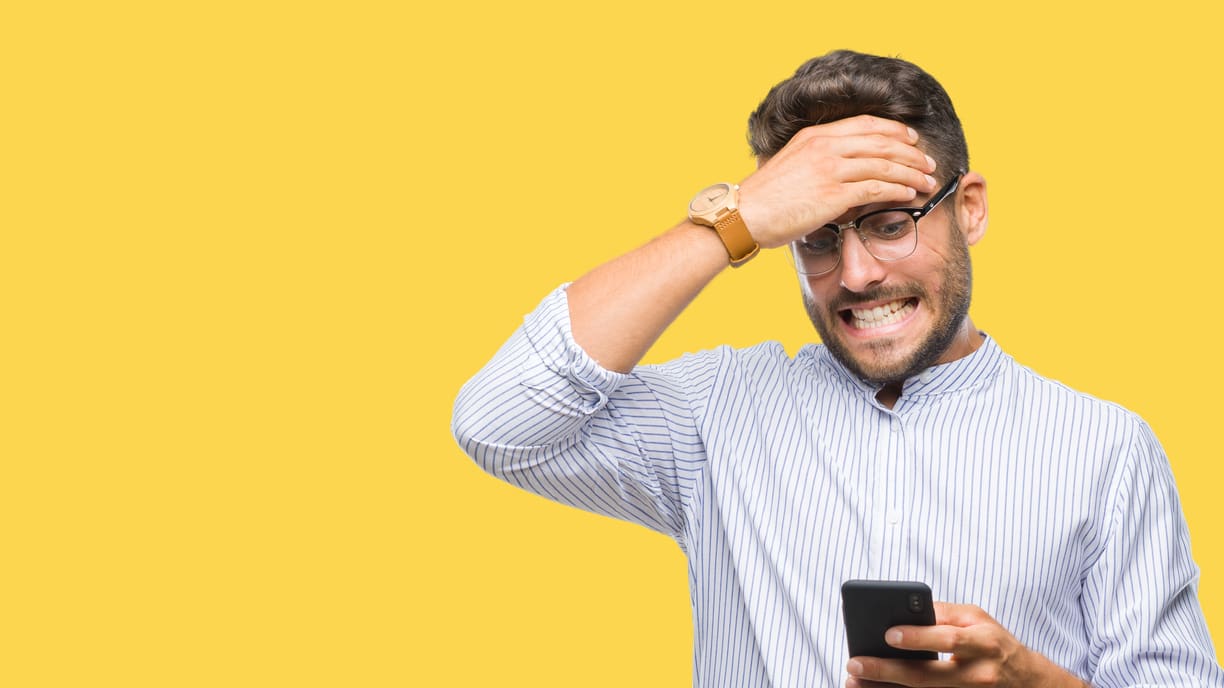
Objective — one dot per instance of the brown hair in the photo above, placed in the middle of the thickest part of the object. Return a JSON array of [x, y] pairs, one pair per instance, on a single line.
[[844, 84]]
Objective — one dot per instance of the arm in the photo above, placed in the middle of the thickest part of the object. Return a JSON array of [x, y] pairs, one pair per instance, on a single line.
[[557, 410]]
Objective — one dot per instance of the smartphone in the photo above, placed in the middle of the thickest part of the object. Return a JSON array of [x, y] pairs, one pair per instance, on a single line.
[[871, 607]]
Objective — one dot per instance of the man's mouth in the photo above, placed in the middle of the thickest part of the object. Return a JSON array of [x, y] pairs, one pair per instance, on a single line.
[[879, 316]]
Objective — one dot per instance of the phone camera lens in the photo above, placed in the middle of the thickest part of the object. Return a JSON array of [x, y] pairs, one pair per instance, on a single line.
[[915, 603]]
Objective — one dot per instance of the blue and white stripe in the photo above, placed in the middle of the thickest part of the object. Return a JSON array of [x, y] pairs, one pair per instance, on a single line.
[[782, 477]]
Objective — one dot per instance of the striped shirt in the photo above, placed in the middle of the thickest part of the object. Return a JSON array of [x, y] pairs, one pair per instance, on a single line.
[[782, 477]]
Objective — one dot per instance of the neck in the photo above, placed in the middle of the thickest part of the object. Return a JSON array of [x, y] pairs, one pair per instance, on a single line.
[[967, 340], [889, 394]]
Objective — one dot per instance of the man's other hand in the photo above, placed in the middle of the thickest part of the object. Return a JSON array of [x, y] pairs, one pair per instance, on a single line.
[[982, 652]]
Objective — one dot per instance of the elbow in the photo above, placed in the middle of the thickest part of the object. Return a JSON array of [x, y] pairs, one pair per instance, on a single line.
[[466, 425], [504, 443], [479, 431]]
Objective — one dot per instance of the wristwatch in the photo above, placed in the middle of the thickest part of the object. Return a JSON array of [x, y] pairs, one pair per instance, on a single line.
[[717, 206]]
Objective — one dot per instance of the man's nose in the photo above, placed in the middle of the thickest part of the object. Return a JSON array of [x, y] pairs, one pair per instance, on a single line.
[[859, 269]]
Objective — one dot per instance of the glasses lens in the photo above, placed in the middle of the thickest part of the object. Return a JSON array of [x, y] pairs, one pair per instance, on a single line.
[[891, 235], [817, 253]]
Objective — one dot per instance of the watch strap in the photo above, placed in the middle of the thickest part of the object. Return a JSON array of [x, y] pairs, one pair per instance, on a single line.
[[741, 247]]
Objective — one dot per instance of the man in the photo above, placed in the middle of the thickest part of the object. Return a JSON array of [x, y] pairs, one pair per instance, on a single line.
[[907, 447]]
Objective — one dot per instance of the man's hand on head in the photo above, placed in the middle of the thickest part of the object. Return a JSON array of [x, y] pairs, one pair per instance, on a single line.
[[827, 169], [983, 654]]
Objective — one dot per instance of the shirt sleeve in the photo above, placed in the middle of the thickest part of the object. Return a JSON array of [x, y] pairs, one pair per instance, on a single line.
[[546, 417], [1140, 597]]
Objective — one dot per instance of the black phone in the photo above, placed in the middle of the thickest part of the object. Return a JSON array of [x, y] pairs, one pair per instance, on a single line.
[[871, 607]]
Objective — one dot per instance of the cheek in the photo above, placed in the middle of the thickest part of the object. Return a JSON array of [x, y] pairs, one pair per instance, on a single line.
[[933, 268], [816, 293]]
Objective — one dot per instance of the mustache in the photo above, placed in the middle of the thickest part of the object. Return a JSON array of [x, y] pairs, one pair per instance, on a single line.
[[850, 299]]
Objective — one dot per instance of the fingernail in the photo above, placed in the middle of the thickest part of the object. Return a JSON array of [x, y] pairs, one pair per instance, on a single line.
[[892, 637], [930, 180], [930, 162], [854, 667], [913, 134]]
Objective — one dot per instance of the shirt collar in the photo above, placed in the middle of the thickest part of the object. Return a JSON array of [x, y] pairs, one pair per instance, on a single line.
[[962, 374]]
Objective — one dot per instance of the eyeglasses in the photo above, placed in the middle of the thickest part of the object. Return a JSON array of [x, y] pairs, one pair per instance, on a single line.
[[888, 234]]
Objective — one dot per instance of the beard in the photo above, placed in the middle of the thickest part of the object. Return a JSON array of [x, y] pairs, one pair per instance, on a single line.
[[951, 309]]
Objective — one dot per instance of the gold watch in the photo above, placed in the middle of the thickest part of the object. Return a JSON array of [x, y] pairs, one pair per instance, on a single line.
[[717, 206]]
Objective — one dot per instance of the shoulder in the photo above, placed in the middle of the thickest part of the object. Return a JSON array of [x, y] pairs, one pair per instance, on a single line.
[[1076, 410]]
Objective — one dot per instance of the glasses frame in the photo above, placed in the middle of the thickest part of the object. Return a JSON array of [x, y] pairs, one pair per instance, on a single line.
[[855, 224]]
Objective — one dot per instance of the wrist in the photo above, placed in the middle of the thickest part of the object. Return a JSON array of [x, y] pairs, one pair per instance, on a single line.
[[753, 219], [702, 245]]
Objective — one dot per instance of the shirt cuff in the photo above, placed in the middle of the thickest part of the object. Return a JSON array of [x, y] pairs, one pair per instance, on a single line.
[[560, 360]]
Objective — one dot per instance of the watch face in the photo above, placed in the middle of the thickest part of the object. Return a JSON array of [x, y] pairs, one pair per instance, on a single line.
[[710, 198]]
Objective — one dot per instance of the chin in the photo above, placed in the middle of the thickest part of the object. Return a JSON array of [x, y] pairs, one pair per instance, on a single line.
[[891, 359], [882, 370]]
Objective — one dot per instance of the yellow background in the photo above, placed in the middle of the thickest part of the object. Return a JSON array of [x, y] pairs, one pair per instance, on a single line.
[[252, 250]]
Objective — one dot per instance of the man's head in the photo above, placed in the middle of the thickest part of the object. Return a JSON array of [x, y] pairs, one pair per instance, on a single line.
[[886, 320]]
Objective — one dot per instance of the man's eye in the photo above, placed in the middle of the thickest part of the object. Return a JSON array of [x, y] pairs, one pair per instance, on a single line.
[[893, 227], [820, 244]]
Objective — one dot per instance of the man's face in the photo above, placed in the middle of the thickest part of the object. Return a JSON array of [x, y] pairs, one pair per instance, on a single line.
[[887, 321]]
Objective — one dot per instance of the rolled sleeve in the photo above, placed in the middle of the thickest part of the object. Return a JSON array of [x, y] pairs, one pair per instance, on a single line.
[[546, 417], [562, 372]]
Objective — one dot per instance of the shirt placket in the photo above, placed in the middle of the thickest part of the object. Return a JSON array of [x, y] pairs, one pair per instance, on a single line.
[[894, 509], [884, 507], [889, 497]]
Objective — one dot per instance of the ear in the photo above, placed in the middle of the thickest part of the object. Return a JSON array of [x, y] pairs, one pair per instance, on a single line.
[[972, 211]]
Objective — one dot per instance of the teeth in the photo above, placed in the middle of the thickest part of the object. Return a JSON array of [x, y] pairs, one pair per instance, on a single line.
[[879, 311], [889, 313]]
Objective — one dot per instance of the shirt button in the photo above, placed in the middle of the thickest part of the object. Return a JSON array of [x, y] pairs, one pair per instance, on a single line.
[[926, 375], [894, 517]]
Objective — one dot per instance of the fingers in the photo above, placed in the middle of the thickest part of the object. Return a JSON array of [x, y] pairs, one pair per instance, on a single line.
[[979, 636], [839, 158], [869, 672], [819, 142], [885, 165], [867, 136], [953, 639], [887, 171], [876, 191], [869, 124], [873, 671], [934, 638], [883, 147], [864, 683]]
